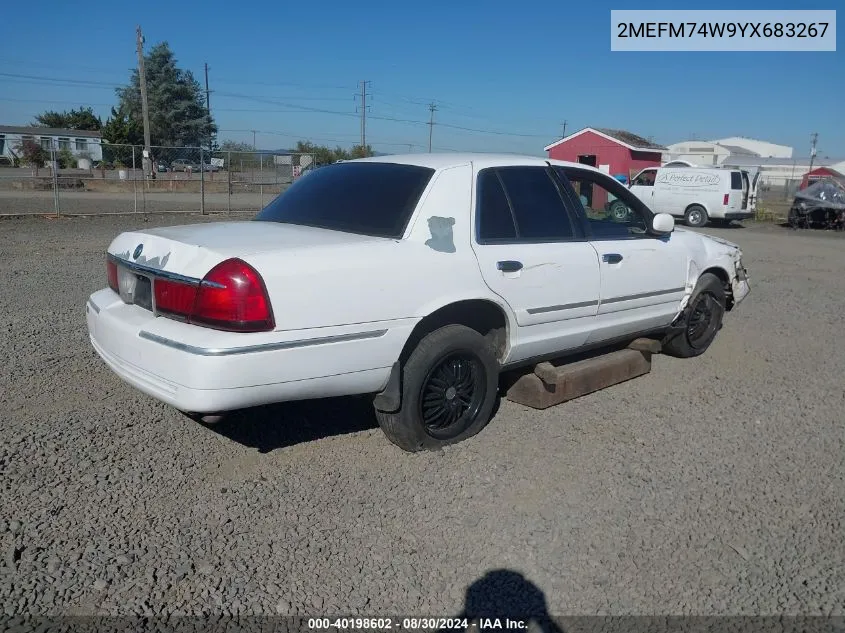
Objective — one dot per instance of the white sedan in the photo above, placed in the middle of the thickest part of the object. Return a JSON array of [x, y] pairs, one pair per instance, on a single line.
[[416, 279]]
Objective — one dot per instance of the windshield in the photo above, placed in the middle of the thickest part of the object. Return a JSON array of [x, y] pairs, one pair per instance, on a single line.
[[367, 198]]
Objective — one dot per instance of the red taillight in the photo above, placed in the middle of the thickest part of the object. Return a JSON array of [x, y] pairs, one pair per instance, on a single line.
[[232, 296], [727, 198], [111, 267], [175, 297]]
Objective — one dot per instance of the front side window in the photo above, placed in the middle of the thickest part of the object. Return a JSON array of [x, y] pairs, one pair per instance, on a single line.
[[611, 211], [645, 178], [366, 198]]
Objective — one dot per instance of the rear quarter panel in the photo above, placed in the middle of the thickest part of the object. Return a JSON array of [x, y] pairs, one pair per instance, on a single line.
[[432, 266]]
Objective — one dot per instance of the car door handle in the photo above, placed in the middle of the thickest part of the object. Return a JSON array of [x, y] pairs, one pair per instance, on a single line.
[[611, 258], [509, 266]]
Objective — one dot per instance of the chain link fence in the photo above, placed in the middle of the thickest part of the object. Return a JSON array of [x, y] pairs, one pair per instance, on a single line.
[[124, 180]]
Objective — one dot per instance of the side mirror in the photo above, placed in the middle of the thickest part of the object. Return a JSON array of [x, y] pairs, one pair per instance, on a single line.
[[663, 223]]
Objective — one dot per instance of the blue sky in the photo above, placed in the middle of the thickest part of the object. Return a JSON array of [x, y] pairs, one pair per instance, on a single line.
[[514, 70]]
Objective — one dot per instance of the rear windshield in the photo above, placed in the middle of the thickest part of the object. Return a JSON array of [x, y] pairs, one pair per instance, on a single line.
[[736, 180], [365, 198]]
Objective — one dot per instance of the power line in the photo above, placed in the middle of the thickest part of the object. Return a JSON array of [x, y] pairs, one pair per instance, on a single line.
[[319, 138], [59, 79], [292, 107]]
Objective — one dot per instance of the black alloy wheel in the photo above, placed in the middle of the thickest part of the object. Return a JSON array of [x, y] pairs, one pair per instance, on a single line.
[[704, 320], [452, 394]]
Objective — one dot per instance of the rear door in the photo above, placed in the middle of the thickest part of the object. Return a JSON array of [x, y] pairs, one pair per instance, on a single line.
[[738, 196], [535, 256], [643, 276]]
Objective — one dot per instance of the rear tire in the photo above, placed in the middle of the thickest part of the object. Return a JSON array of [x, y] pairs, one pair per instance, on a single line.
[[702, 319], [696, 216], [449, 388]]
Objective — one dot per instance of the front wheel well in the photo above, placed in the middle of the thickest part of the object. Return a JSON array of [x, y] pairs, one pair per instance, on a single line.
[[723, 276]]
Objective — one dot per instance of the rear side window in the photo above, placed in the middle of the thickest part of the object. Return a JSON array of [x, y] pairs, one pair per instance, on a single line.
[[366, 198], [536, 204], [736, 180], [495, 220]]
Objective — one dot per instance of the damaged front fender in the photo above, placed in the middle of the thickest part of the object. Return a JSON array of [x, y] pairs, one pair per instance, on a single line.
[[739, 282], [739, 287]]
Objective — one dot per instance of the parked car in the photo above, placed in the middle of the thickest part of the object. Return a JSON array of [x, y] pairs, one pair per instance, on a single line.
[[161, 167], [180, 164], [696, 194], [415, 279], [209, 167]]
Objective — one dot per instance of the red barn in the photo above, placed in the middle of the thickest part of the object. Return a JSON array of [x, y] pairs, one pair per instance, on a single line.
[[614, 151], [820, 173]]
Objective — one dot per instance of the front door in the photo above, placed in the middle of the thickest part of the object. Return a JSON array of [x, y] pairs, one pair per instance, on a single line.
[[643, 276], [535, 256], [643, 187]]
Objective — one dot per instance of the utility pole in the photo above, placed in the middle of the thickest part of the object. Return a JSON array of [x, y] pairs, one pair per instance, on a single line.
[[254, 146], [208, 113], [432, 108], [815, 137], [564, 129], [364, 115], [142, 76]]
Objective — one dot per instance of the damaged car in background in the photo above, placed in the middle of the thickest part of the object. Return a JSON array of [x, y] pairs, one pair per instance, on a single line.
[[821, 205], [415, 279]]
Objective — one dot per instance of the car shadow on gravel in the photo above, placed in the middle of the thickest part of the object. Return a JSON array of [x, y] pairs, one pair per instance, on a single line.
[[280, 425], [506, 594]]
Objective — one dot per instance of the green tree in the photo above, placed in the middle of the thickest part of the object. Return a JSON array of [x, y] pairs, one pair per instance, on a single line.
[[359, 151], [66, 159], [82, 119], [121, 128], [236, 146], [119, 132], [178, 116]]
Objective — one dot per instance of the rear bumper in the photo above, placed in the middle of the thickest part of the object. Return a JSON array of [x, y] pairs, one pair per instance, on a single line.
[[201, 376], [739, 215]]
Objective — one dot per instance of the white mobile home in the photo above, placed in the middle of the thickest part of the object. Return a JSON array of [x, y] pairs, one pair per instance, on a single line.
[[81, 143]]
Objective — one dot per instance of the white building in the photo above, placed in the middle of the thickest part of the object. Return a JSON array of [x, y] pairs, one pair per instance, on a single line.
[[780, 172], [703, 153], [81, 143], [761, 148]]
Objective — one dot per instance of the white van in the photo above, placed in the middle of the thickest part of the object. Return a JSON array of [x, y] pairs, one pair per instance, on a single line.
[[696, 194]]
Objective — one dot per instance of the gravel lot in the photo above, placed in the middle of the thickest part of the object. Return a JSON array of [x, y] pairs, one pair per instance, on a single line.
[[712, 485]]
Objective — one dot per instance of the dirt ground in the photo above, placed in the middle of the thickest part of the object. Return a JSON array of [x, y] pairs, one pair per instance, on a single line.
[[709, 486]]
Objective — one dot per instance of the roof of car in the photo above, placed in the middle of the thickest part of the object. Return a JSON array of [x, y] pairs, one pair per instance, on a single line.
[[452, 159]]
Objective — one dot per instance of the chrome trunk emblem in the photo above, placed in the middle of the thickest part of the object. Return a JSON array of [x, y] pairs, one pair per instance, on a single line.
[[138, 250]]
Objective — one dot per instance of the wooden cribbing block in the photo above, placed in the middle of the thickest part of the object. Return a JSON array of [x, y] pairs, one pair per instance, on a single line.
[[549, 385]]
